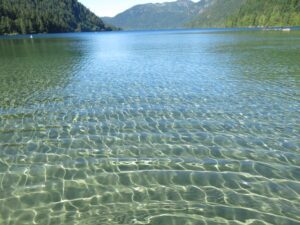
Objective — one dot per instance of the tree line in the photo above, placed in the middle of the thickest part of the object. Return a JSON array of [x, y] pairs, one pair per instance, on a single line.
[[47, 16], [267, 13]]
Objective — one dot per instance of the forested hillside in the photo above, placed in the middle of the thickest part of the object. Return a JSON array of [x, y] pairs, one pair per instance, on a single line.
[[55, 16], [46, 16], [158, 15], [267, 13], [209, 13], [216, 13]]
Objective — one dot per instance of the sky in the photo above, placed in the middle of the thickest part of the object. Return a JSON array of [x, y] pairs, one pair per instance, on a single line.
[[113, 7]]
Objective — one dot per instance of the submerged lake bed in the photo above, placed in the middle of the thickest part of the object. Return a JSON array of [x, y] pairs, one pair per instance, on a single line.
[[183, 127]]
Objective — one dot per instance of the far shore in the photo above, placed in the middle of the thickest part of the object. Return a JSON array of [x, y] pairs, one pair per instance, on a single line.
[[264, 28]]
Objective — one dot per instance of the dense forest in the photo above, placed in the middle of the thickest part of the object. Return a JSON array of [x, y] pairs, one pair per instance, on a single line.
[[267, 13], [47, 16]]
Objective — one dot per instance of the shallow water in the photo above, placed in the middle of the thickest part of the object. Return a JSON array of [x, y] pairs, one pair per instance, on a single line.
[[161, 128]]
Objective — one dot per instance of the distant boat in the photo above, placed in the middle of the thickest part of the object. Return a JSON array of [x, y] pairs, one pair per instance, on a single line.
[[286, 29], [31, 36]]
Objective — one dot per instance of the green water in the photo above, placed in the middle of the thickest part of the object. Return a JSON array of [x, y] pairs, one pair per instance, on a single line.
[[161, 128]]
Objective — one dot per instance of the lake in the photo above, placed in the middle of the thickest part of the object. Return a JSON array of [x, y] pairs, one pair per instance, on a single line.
[[185, 127]]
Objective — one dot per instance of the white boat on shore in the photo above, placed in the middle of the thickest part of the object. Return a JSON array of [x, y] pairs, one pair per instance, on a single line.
[[286, 29]]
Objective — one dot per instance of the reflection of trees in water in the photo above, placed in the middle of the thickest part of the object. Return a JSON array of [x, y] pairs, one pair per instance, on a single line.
[[32, 67]]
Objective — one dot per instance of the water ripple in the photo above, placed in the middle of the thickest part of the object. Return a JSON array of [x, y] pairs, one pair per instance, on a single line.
[[107, 129]]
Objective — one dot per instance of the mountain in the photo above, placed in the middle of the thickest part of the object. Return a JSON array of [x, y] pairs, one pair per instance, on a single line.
[[267, 13], [209, 13], [158, 15], [216, 13], [47, 16]]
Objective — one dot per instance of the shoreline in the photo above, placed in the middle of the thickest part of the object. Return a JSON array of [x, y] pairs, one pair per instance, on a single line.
[[258, 28]]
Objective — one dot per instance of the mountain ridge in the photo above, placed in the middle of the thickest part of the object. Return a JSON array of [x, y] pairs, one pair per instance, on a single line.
[[208, 13], [157, 15]]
